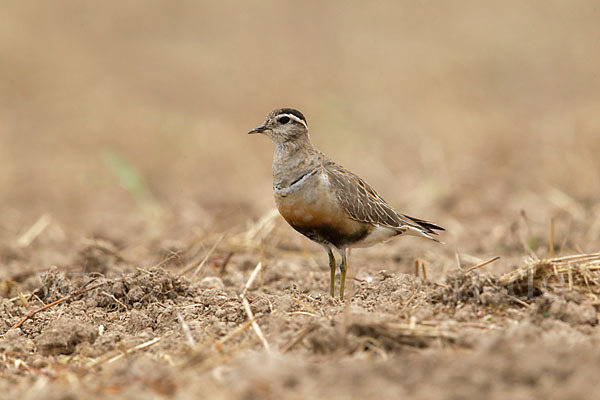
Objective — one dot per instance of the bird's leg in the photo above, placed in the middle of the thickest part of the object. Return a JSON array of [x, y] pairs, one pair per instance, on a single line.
[[343, 270], [332, 269]]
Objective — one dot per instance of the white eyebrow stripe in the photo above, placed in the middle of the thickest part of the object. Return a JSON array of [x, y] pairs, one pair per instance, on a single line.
[[292, 116]]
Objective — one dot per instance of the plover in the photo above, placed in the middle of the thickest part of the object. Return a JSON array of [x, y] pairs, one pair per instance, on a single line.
[[324, 201]]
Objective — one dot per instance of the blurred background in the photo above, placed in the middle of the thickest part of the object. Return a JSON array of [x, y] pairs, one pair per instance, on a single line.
[[483, 117]]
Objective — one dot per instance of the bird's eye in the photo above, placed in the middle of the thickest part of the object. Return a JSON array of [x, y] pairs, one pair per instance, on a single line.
[[284, 120]]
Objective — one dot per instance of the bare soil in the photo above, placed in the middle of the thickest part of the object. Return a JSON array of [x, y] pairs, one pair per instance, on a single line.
[[399, 335]]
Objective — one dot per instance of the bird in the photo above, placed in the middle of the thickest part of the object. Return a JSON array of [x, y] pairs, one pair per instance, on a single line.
[[326, 202]]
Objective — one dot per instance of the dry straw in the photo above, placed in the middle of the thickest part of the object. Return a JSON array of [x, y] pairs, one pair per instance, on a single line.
[[579, 272], [248, 309]]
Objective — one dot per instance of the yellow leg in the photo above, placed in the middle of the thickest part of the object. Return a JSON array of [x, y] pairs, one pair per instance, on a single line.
[[343, 270], [332, 269]]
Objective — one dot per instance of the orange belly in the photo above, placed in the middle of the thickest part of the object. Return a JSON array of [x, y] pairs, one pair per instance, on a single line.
[[314, 211]]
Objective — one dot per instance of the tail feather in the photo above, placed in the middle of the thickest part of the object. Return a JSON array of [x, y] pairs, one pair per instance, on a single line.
[[428, 227], [416, 231]]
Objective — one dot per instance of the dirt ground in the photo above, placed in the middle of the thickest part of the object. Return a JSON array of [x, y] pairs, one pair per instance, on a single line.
[[134, 209]]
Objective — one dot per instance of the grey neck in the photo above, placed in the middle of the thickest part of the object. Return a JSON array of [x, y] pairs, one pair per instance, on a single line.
[[292, 159], [293, 146]]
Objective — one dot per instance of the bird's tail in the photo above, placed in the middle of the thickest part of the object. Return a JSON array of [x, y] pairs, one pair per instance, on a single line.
[[423, 228]]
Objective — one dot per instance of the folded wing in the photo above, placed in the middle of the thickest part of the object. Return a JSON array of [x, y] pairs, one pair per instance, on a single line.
[[362, 203]]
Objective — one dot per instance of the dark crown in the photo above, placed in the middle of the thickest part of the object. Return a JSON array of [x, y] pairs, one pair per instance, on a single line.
[[291, 111]]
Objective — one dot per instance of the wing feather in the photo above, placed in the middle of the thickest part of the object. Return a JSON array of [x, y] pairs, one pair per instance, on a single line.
[[362, 202]]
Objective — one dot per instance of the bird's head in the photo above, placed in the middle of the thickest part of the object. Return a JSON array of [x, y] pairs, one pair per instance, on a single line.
[[284, 125]]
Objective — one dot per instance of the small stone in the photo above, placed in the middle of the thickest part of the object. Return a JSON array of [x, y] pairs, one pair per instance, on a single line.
[[39, 363], [212, 282], [64, 336], [13, 334]]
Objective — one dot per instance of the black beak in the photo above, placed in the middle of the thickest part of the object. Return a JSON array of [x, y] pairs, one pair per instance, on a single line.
[[258, 130]]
